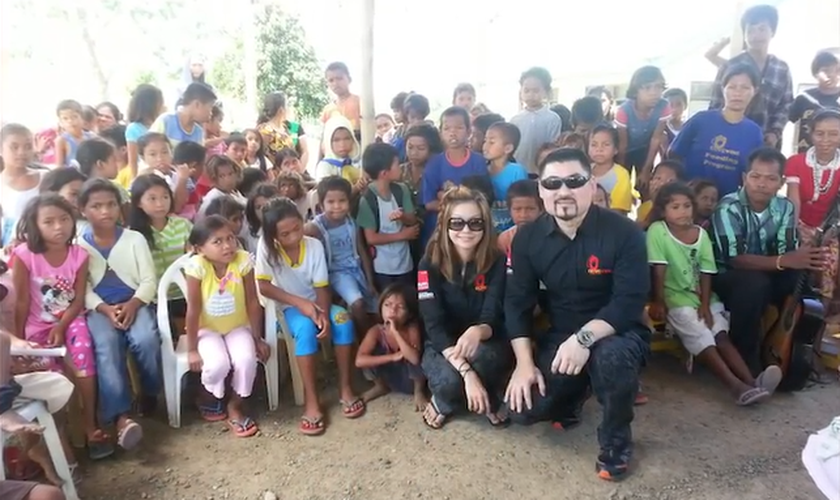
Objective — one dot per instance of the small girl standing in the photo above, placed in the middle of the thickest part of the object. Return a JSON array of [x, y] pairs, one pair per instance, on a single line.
[[292, 270], [70, 118], [255, 153], [50, 278], [390, 352], [145, 106], [683, 262], [121, 285], [641, 122], [224, 330], [260, 196]]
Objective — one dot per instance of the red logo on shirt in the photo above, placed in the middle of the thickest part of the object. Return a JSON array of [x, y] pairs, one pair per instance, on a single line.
[[593, 266], [422, 281], [480, 284]]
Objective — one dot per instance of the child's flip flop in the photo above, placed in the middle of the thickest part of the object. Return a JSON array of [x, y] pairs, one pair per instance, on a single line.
[[311, 426], [752, 396], [130, 435], [244, 429], [99, 446], [212, 412], [353, 409]]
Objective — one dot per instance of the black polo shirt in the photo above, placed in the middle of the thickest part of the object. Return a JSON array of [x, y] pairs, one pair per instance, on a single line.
[[602, 274], [448, 308]]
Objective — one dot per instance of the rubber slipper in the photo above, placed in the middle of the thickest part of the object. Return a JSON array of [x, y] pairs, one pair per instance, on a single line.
[[752, 396], [212, 412], [311, 426], [99, 449], [130, 435], [436, 421], [348, 411], [244, 429], [769, 379]]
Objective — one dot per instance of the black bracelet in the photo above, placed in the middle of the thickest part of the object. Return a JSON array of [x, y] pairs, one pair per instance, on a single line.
[[460, 368], [465, 372]]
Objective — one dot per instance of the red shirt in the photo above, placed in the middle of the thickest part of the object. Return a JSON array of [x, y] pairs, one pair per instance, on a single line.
[[811, 213]]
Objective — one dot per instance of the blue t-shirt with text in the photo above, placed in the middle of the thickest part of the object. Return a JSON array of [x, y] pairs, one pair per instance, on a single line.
[[712, 148]]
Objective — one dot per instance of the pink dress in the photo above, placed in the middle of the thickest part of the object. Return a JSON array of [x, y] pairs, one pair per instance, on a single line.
[[51, 291]]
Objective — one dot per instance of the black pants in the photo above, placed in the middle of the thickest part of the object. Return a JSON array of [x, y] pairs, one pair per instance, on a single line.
[[491, 363], [613, 372], [382, 281], [746, 295]]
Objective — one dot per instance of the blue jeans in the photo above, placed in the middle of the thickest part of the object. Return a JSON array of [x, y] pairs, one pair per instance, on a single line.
[[110, 345]]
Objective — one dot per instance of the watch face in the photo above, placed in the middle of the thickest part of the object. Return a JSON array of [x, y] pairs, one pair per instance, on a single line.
[[585, 338]]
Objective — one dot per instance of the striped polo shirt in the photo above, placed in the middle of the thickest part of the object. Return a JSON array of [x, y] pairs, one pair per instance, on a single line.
[[170, 243]]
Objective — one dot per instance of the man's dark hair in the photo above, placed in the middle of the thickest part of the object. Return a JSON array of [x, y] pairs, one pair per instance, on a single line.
[[338, 67], [200, 92], [587, 110], [378, 157], [676, 93], [483, 121], [823, 115], [540, 74], [767, 155], [188, 153], [742, 69], [823, 59], [758, 14], [567, 155]]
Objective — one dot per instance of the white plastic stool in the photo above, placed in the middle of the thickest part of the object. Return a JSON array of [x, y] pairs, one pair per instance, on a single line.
[[36, 410]]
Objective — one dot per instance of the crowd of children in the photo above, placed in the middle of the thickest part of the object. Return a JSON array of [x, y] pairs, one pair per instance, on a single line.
[[338, 252]]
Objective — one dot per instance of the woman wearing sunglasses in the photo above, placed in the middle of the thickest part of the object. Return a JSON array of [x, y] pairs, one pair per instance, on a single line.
[[461, 282]]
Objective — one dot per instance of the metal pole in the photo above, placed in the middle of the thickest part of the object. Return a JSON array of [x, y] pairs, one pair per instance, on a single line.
[[368, 110]]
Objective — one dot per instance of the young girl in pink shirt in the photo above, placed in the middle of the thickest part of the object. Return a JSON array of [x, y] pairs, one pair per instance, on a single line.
[[50, 277]]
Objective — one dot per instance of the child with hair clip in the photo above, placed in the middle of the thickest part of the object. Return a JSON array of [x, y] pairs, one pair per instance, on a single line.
[[683, 262], [292, 186], [233, 212], [500, 141], [641, 122], [156, 152], [225, 174], [165, 234], [49, 273], [72, 132], [706, 195], [224, 321], [259, 198], [145, 106], [255, 155], [390, 352], [291, 269], [121, 285]]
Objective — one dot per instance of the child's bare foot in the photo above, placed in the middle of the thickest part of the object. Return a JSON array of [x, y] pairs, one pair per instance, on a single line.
[[12, 422], [379, 389], [420, 400], [41, 456]]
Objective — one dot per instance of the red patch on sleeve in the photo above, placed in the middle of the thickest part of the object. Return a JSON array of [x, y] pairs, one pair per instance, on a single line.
[[422, 281]]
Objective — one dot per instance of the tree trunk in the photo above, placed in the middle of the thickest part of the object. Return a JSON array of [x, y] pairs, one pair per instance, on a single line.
[[90, 44], [368, 108]]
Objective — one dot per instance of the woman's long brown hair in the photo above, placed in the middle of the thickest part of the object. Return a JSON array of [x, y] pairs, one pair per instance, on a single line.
[[440, 251]]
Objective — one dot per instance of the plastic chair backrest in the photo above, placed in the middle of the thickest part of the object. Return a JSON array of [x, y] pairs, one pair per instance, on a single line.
[[173, 275]]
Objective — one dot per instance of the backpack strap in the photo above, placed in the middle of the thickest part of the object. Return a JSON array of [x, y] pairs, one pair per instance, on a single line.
[[373, 203]]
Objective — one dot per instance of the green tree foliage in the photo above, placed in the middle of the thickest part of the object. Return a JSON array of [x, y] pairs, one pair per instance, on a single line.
[[285, 62]]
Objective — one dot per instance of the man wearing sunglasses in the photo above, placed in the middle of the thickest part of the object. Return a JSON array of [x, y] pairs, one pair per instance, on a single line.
[[593, 262]]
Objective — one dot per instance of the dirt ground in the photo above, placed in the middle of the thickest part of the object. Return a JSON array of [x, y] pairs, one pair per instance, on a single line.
[[691, 443]]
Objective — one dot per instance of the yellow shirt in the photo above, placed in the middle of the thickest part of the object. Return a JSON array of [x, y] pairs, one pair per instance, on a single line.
[[223, 299], [124, 177], [617, 182], [644, 211]]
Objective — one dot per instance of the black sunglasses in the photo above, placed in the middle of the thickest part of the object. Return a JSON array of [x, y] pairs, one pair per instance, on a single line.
[[574, 181], [458, 224]]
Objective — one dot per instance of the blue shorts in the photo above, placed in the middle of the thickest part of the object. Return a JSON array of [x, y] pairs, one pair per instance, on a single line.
[[352, 286], [304, 332]]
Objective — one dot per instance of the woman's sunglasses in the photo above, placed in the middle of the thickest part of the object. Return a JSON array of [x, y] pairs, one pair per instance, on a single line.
[[458, 224], [554, 183]]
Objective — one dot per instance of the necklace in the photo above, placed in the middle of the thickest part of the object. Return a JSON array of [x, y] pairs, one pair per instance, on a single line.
[[818, 169]]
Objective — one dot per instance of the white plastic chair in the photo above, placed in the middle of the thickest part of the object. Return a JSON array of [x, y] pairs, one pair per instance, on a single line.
[[273, 322], [174, 358], [36, 410]]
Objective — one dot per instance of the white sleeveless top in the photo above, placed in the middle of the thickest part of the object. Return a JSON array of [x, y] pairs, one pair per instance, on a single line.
[[14, 201]]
